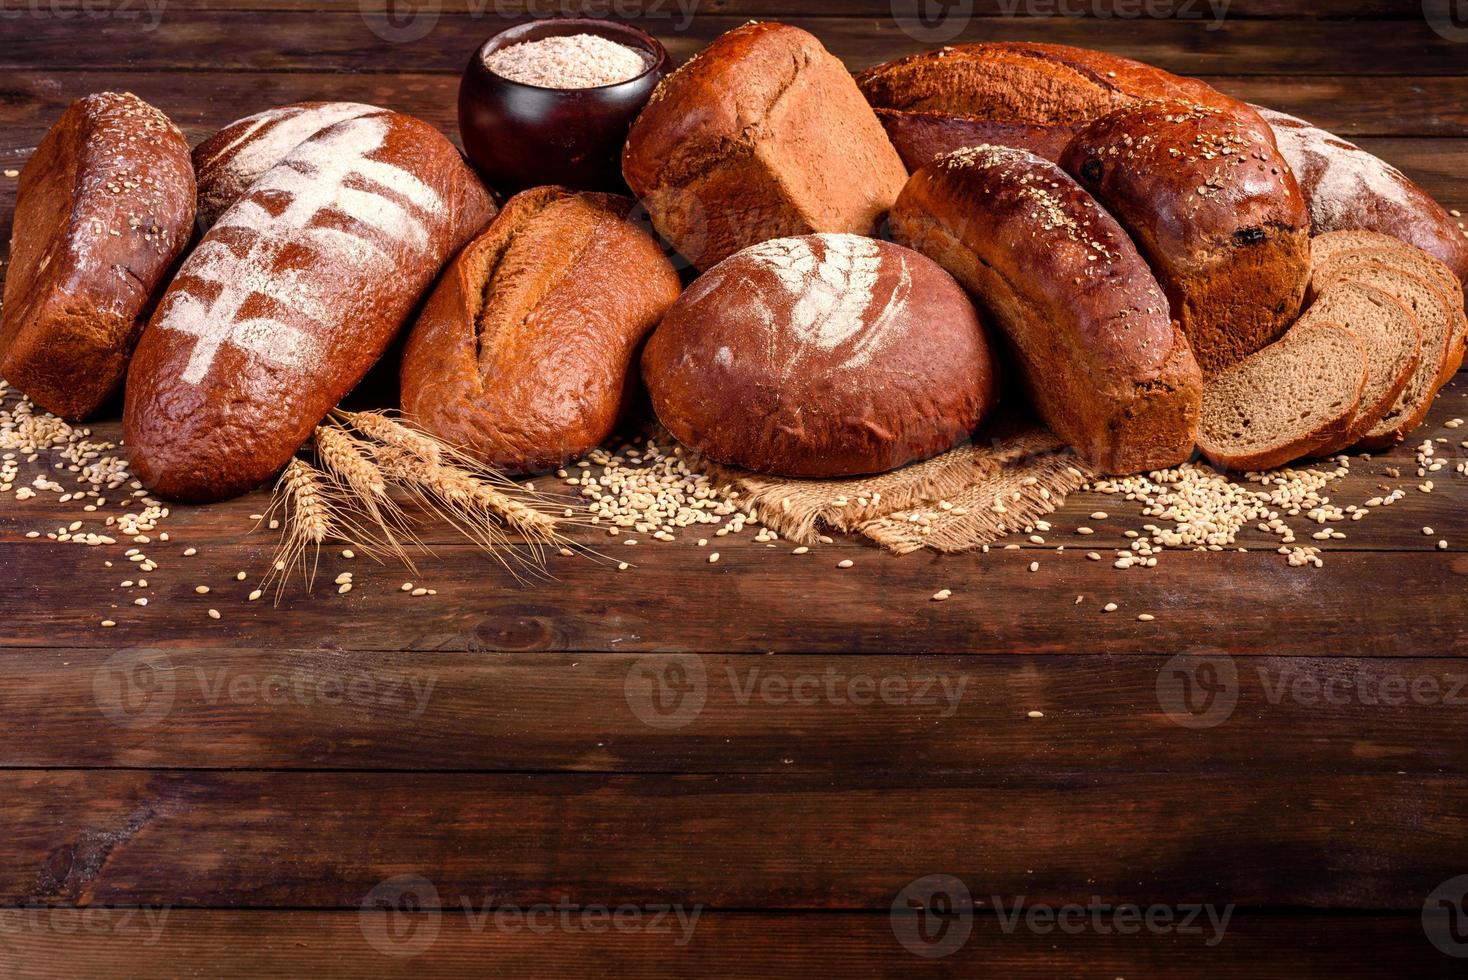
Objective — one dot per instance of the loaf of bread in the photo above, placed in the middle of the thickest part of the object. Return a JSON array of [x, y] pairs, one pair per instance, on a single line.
[[762, 135], [1020, 94], [103, 208], [524, 355], [1348, 189], [227, 163], [290, 298], [821, 356], [1213, 208], [1104, 364]]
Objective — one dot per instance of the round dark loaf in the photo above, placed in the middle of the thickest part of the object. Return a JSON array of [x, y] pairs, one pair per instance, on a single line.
[[524, 355], [289, 300], [103, 208], [227, 163], [1215, 211], [1005, 93], [821, 356], [1105, 366]]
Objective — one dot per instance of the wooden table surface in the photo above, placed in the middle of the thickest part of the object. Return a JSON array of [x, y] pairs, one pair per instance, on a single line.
[[557, 779]]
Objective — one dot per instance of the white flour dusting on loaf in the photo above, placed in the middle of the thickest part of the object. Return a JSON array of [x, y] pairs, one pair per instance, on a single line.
[[1347, 173], [828, 295], [292, 126], [261, 310]]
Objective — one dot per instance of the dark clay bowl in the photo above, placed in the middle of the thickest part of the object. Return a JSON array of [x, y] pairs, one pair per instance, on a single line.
[[521, 136]]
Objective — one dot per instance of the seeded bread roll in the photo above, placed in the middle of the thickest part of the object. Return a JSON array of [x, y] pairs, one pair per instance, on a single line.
[[1348, 189], [228, 162], [289, 300], [1105, 366], [524, 356], [1389, 335], [821, 356], [1020, 94], [762, 135], [1215, 211], [103, 208], [1284, 402]]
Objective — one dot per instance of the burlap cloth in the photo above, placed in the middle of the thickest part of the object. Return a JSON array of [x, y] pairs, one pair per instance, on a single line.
[[1011, 476]]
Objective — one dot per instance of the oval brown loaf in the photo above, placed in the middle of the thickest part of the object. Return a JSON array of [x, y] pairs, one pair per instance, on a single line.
[[761, 135], [290, 298], [1348, 189], [1020, 94], [1105, 366], [821, 356], [227, 163], [103, 208], [1213, 208], [524, 355]]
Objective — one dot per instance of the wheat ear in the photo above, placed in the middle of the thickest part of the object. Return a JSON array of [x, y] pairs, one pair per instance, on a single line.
[[348, 461], [309, 520]]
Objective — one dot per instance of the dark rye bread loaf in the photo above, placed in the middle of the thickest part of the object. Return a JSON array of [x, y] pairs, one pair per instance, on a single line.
[[524, 355], [1106, 367], [1021, 94], [103, 208], [290, 298], [821, 356], [1285, 401], [227, 163], [1348, 189], [1215, 211], [762, 135]]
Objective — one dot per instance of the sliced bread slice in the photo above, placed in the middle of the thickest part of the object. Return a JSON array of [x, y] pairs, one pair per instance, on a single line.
[[1434, 316], [1285, 401], [1391, 337], [1337, 247]]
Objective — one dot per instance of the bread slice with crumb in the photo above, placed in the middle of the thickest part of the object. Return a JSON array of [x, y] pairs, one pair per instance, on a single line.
[[1439, 339], [1389, 334], [1285, 401]]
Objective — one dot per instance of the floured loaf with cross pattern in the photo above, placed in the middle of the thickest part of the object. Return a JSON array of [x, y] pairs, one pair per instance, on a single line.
[[290, 298]]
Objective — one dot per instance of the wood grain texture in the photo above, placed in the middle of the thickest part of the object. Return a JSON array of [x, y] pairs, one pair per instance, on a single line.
[[687, 713], [326, 839], [343, 41], [722, 945]]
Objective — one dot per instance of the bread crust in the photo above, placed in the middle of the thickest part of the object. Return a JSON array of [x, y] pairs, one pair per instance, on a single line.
[[227, 163], [821, 356], [1213, 208], [1106, 367], [525, 354], [104, 207], [1348, 189], [762, 135], [1025, 95], [289, 299]]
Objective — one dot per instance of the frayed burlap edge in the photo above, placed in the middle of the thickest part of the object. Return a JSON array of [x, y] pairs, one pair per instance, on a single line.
[[962, 500]]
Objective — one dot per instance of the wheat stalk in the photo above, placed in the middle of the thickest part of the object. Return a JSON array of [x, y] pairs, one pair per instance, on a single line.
[[309, 520], [349, 462]]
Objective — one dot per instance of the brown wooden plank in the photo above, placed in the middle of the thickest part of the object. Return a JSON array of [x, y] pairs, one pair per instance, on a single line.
[[341, 41], [687, 713], [326, 839], [1351, 105], [466, 941]]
